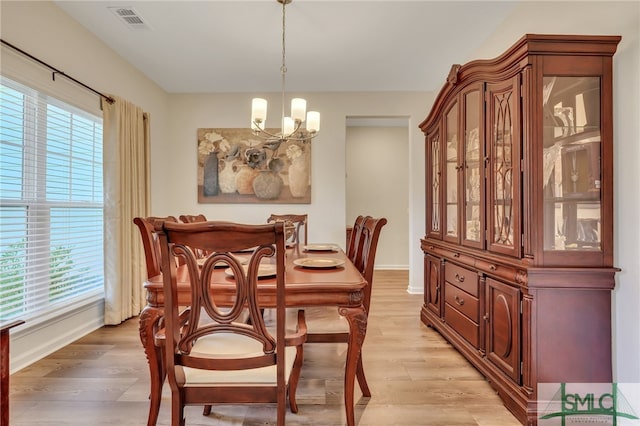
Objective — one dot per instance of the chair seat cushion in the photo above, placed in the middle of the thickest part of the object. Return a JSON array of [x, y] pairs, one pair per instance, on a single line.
[[234, 346]]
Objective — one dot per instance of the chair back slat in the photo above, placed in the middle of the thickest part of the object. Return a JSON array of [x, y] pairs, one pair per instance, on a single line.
[[365, 259], [150, 242], [295, 227], [190, 218]]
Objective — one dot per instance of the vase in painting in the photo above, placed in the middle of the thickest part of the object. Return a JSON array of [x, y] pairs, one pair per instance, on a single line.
[[210, 176], [267, 185], [299, 177], [227, 176], [244, 179]]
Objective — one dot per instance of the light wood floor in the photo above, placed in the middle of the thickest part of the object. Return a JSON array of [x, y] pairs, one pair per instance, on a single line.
[[416, 378]]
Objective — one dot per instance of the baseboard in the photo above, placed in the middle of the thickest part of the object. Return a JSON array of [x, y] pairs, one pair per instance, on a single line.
[[33, 341]]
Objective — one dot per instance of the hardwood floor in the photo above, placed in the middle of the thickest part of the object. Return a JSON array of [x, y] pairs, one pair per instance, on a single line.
[[416, 378]]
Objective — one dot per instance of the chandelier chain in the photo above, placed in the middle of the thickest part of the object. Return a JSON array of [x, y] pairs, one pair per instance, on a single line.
[[298, 106], [283, 68]]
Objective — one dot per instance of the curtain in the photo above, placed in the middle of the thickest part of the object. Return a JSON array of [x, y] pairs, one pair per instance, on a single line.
[[126, 195]]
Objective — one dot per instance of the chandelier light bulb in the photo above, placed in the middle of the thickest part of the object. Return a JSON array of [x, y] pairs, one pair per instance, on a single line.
[[258, 113], [313, 121], [298, 108], [288, 126]]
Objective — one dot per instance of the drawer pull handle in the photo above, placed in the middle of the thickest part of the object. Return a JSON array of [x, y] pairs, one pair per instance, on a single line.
[[493, 267], [456, 254], [460, 278], [459, 301]]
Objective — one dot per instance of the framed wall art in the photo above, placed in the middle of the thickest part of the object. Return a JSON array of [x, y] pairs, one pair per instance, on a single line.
[[235, 166]]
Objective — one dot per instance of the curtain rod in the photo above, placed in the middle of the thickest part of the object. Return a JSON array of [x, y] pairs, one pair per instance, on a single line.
[[57, 71]]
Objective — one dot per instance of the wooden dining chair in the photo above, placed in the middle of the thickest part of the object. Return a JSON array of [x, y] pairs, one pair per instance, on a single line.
[[298, 223], [150, 242], [191, 218], [152, 255], [219, 357], [355, 241], [366, 245]]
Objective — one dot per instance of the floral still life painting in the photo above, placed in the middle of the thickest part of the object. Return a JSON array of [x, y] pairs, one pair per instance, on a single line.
[[235, 166]]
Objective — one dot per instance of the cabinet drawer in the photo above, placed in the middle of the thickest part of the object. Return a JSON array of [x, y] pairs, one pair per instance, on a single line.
[[462, 278], [462, 301], [461, 324]]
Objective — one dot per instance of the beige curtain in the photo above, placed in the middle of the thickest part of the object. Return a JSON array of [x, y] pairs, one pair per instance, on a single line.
[[126, 195]]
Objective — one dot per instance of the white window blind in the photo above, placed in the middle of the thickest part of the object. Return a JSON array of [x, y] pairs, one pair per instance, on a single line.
[[51, 203]]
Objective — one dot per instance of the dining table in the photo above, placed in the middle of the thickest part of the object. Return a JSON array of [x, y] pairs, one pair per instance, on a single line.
[[315, 275]]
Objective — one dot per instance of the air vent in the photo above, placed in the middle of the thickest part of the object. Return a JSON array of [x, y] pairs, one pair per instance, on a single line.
[[130, 18]]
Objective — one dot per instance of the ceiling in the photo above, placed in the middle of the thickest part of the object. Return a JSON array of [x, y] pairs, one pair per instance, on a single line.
[[235, 46]]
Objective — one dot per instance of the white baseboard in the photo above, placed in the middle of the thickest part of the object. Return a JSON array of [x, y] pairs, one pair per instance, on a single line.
[[33, 341]]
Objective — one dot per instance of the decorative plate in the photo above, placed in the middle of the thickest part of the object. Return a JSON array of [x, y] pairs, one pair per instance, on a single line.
[[264, 271], [321, 247], [318, 263]]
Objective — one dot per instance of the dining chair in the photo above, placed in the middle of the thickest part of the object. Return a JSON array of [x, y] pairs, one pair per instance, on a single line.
[[355, 241], [219, 357], [366, 245], [150, 242], [190, 218], [297, 221], [152, 255]]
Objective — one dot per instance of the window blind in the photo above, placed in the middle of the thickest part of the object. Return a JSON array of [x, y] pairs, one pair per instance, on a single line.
[[51, 203]]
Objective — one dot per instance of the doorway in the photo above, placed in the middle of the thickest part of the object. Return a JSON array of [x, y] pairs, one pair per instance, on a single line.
[[377, 182]]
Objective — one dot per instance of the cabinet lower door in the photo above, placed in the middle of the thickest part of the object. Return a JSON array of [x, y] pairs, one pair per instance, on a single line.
[[432, 285], [503, 327]]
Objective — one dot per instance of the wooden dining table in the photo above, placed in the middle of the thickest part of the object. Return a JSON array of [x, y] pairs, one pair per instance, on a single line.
[[306, 286]]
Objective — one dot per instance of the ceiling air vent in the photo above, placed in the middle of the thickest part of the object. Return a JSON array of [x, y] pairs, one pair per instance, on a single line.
[[130, 18]]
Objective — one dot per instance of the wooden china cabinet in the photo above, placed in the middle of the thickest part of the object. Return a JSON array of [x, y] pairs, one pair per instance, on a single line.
[[518, 251]]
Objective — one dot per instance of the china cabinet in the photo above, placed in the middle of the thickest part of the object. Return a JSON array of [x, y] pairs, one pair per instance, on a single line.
[[518, 245]]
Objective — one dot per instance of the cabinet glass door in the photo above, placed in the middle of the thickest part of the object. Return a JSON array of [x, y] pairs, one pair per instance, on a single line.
[[452, 167], [434, 191], [503, 145], [571, 163], [473, 176]]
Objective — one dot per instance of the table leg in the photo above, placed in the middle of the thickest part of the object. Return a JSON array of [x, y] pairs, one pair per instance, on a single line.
[[149, 318], [357, 319]]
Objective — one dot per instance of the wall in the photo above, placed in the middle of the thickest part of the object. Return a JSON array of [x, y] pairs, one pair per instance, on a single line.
[[377, 184], [175, 171], [69, 47], [616, 18]]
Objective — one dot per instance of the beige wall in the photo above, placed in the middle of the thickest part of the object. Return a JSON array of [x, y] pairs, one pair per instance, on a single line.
[[176, 170]]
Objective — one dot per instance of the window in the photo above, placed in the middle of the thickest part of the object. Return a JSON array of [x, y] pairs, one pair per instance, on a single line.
[[51, 203]]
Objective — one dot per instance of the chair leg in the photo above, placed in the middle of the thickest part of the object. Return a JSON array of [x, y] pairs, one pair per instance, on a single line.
[[362, 381], [149, 323], [177, 409], [294, 378], [207, 410]]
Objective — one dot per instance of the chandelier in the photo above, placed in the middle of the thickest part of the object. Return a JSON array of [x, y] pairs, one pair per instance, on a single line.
[[291, 125]]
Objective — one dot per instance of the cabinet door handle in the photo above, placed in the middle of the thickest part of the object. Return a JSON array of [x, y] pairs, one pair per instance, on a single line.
[[486, 317], [459, 300], [493, 267], [460, 278]]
